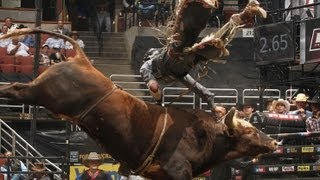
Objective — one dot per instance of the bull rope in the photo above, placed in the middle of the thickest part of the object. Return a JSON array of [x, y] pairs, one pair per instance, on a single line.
[[84, 113], [146, 164]]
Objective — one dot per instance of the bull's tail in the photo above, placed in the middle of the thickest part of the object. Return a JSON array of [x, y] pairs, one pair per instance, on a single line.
[[80, 55]]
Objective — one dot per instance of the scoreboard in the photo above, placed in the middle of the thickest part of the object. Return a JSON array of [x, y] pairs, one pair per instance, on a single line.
[[274, 43]]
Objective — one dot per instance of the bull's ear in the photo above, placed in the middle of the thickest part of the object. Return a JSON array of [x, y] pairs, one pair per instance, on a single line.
[[229, 120]]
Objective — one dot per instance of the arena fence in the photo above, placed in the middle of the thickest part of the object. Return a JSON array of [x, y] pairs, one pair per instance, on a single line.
[[10, 140], [228, 97], [174, 96], [288, 160], [266, 94], [56, 173]]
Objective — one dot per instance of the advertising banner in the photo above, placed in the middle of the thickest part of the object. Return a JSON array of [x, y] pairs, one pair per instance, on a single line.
[[111, 169], [310, 41]]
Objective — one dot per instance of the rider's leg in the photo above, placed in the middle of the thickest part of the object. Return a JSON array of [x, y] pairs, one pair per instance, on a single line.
[[200, 90]]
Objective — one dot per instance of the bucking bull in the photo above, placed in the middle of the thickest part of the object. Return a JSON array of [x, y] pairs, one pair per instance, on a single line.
[[153, 141]]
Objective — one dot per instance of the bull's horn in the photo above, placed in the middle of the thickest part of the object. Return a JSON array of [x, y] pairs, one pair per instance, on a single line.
[[229, 118], [280, 143]]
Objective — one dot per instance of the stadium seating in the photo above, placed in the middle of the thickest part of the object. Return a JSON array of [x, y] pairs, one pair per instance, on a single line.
[[24, 69], [7, 68], [21, 60], [3, 52], [7, 59], [44, 37]]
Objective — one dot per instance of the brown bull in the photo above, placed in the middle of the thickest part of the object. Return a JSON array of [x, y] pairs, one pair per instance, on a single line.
[[156, 142]]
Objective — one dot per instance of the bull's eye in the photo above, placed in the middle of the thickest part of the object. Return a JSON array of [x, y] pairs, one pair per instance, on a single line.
[[249, 131]]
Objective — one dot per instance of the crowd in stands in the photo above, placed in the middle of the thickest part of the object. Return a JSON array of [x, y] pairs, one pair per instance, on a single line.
[[22, 48], [300, 111], [16, 169]]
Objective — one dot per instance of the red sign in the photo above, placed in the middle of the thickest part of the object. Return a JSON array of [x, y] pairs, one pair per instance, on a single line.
[[315, 40]]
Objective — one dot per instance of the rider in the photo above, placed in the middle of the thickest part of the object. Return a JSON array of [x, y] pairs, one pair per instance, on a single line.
[[161, 65]]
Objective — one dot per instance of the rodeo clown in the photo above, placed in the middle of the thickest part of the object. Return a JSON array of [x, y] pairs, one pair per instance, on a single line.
[[182, 53]]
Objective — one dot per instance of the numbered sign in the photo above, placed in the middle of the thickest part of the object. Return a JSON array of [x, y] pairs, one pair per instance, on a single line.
[[274, 43], [247, 32]]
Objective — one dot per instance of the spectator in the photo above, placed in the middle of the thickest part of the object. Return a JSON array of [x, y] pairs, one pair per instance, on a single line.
[[248, 108], [9, 24], [313, 122], [74, 35], [250, 114], [17, 48], [39, 168], [56, 56], [61, 29], [147, 8], [13, 165], [28, 40], [44, 59], [268, 105], [4, 42], [301, 104], [281, 106], [55, 41], [104, 18], [300, 13], [93, 173]]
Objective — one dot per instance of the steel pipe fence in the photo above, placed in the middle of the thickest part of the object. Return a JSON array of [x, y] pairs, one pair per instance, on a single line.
[[178, 96], [289, 93], [134, 85], [10, 140], [255, 94], [228, 97]]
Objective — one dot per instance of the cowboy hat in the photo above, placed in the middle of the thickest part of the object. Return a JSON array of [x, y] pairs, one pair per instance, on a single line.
[[314, 100], [281, 101], [301, 97], [248, 102], [92, 157], [38, 166]]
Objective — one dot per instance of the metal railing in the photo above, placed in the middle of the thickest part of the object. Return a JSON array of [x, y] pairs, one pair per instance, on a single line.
[[176, 96], [266, 94], [133, 84], [290, 93], [228, 97], [5, 103], [11, 141]]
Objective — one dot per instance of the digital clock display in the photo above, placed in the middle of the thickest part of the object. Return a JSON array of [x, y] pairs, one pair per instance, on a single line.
[[274, 43]]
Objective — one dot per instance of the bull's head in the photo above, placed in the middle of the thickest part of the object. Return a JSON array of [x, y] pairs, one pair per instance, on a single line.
[[248, 140]]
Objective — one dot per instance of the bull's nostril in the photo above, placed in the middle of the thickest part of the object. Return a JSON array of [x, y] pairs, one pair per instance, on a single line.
[[274, 143]]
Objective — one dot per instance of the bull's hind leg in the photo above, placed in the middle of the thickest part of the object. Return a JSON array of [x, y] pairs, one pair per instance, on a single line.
[[20, 92], [178, 169]]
